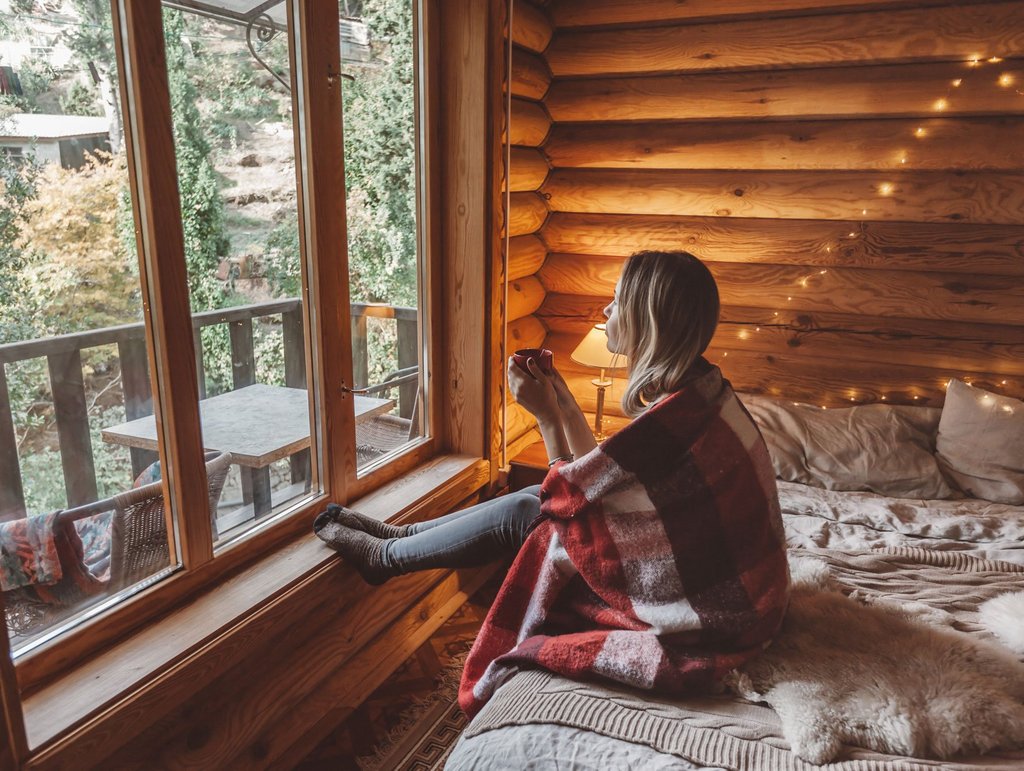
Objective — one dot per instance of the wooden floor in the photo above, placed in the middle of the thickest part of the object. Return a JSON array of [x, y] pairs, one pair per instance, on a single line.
[[365, 730]]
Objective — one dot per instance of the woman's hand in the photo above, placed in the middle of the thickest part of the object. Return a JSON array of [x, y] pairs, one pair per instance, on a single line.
[[534, 390], [566, 401]]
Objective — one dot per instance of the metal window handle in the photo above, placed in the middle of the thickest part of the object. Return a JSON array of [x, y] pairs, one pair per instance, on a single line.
[[347, 390]]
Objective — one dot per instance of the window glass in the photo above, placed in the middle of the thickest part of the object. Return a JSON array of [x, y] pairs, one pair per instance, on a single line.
[[378, 51], [231, 108], [80, 519]]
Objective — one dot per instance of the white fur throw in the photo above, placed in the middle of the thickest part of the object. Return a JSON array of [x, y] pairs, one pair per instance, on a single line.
[[1003, 616], [880, 677]]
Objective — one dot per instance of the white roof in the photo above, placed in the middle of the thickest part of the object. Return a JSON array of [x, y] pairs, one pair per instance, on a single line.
[[42, 126]]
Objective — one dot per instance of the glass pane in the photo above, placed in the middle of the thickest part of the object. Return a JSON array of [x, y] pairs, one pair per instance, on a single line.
[[234, 144], [78, 521], [379, 102]]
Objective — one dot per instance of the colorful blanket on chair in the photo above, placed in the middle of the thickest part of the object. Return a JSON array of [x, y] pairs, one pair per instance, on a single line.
[[658, 560], [49, 557]]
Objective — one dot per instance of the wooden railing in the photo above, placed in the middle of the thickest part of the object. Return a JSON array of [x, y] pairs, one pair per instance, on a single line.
[[63, 355]]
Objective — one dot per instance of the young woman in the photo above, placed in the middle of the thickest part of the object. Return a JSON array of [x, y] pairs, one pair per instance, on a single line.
[[657, 559]]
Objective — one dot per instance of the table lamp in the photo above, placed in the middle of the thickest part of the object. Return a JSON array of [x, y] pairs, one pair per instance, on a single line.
[[593, 352]]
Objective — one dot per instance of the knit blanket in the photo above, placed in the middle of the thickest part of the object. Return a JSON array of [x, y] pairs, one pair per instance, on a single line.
[[658, 560], [945, 589]]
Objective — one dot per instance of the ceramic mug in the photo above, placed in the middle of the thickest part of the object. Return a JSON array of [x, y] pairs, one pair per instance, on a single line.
[[542, 356]]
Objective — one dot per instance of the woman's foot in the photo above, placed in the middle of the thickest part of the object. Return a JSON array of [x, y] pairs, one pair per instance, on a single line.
[[356, 521], [361, 550]]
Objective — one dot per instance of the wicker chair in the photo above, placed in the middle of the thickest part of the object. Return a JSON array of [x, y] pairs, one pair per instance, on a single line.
[[384, 433], [138, 547]]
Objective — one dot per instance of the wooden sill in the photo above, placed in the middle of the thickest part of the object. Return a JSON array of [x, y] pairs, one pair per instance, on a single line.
[[167, 661]]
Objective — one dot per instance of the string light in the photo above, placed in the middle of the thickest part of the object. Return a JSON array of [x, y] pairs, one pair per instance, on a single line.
[[885, 188], [1006, 80], [940, 104], [957, 82], [994, 60], [920, 131]]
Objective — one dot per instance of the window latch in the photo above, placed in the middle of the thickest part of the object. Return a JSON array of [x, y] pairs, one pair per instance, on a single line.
[[347, 390]]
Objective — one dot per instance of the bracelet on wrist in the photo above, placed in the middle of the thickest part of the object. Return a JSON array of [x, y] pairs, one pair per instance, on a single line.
[[553, 461]]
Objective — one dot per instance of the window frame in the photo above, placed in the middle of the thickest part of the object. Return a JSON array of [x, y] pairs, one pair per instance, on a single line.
[[313, 48]]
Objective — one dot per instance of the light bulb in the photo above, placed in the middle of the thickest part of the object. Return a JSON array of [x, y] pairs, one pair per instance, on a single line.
[[940, 104]]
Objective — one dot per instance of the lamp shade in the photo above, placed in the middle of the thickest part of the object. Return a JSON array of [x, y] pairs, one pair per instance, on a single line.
[[593, 351]]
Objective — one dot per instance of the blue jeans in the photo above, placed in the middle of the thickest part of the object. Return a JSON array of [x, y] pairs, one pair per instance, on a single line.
[[467, 538]]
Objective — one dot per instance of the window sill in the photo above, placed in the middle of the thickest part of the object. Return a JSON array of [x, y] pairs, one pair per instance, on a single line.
[[167, 661]]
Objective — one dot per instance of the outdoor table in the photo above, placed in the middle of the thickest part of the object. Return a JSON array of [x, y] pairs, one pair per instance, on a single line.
[[258, 425]]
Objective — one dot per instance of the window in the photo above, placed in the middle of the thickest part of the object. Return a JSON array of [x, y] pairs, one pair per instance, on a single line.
[[174, 385]]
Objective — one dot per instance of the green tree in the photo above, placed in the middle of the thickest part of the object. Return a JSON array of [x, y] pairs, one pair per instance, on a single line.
[[202, 209], [17, 192], [380, 157], [92, 41]]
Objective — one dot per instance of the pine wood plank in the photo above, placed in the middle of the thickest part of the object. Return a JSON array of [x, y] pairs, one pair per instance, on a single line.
[[590, 13], [525, 256], [902, 90], [531, 27], [935, 144], [901, 294], [960, 248], [347, 688], [530, 75], [528, 169], [917, 34], [13, 741], [915, 196], [526, 214], [529, 123], [525, 295], [517, 421]]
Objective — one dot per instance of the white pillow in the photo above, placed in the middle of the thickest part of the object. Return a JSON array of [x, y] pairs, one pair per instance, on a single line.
[[981, 443], [877, 447]]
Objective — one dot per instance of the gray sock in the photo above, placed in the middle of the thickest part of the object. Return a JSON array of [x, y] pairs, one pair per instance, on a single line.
[[361, 550], [356, 521]]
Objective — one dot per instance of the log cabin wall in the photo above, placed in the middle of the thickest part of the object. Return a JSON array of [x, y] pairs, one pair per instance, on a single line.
[[528, 127], [853, 172]]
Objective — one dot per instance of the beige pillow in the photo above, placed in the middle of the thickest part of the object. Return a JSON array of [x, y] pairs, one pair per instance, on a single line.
[[876, 447], [981, 443]]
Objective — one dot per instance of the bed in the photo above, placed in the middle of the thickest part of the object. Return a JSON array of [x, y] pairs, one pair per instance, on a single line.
[[934, 559]]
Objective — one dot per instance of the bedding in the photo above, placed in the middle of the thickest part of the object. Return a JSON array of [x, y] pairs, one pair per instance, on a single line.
[[880, 547], [881, 448], [980, 444]]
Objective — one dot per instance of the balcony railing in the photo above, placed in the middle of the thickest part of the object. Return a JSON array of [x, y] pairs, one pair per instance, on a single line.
[[63, 355]]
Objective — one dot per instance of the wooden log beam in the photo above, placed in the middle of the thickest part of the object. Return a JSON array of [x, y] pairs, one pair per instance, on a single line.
[[926, 342], [917, 196], [901, 90], [525, 256], [525, 295], [528, 169], [832, 381], [527, 213], [529, 123], [962, 248], [526, 332], [531, 27], [954, 33], [935, 144], [530, 75], [893, 293], [518, 421], [956, 347], [592, 13], [842, 383]]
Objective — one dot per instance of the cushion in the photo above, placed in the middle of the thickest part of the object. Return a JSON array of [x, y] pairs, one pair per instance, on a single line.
[[981, 443], [876, 447]]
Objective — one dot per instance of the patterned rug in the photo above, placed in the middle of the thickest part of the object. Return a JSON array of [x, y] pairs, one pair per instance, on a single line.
[[426, 733]]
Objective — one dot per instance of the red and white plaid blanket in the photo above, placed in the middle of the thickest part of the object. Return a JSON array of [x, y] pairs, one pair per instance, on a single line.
[[658, 560]]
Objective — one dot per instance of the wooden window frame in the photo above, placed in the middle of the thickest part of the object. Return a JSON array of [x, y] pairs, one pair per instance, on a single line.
[[138, 33]]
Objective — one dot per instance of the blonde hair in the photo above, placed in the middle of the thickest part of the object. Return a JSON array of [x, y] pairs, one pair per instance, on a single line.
[[668, 311]]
